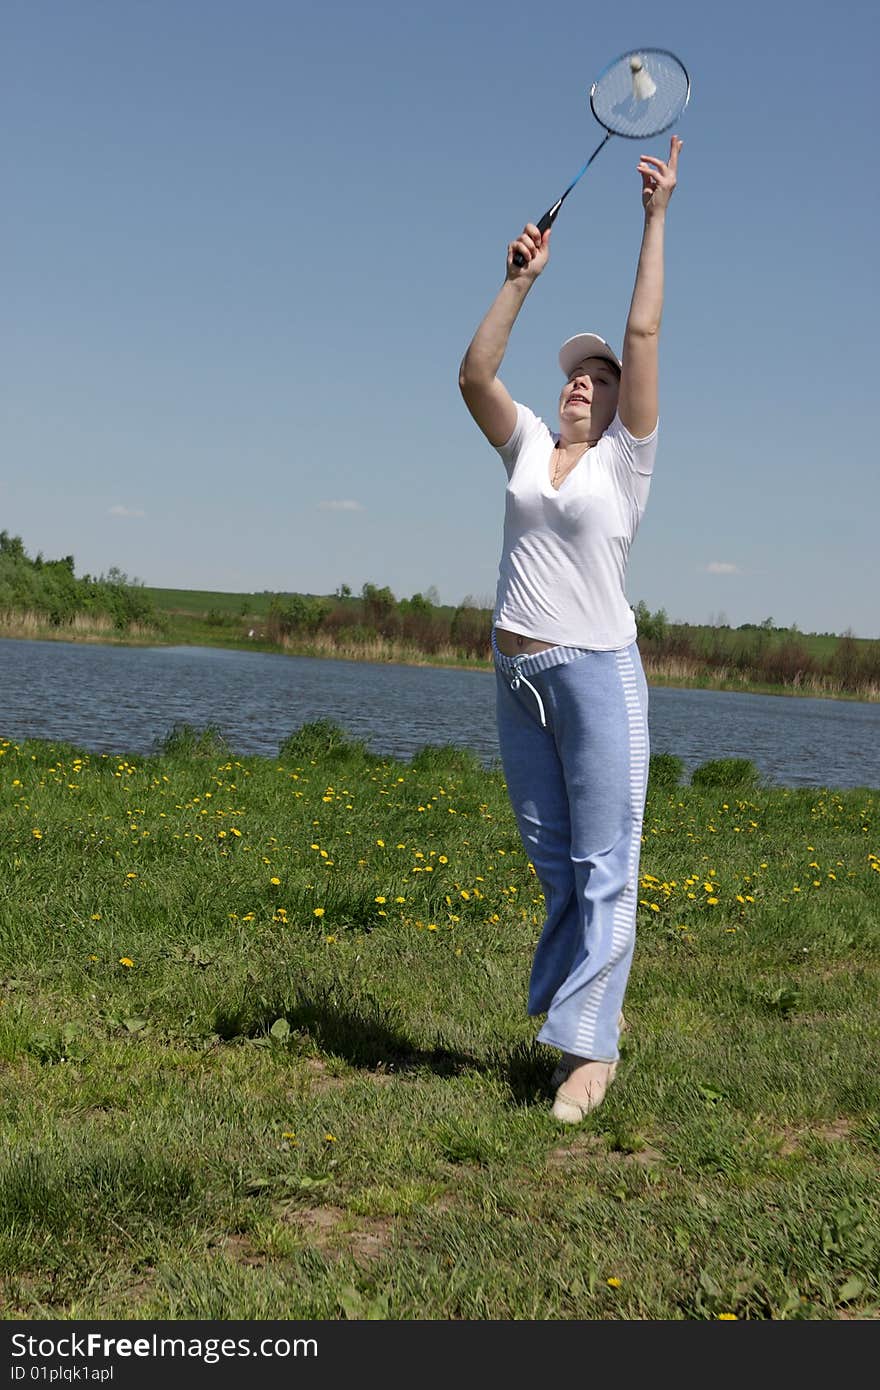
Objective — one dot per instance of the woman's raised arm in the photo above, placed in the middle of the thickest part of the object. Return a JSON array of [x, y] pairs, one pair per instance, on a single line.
[[487, 398], [638, 402]]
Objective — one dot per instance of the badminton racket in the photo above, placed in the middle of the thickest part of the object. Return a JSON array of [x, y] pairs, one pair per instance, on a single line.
[[639, 95]]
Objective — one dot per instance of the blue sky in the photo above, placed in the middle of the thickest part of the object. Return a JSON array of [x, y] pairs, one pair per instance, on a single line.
[[245, 246]]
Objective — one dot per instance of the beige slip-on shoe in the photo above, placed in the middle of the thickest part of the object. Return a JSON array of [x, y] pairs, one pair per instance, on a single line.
[[572, 1109], [565, 1067]]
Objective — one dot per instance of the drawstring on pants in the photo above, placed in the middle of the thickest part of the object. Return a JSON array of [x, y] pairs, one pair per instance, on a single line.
[[518, 676]]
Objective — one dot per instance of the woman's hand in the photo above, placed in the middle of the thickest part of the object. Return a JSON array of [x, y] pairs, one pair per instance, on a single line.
[[534, 248], [659, 178]]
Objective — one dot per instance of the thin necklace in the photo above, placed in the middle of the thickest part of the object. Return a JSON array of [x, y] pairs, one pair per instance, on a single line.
[[558, 460]]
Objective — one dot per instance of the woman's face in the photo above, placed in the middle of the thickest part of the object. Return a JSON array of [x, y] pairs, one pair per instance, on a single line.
[[590, 394]]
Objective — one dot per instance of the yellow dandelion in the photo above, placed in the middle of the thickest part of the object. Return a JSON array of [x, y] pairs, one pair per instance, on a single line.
[[614, 1283], [727, 1317], [380, 900], [276, 881], [330, 1139], [96, 917], [125, 960], [319, 912]]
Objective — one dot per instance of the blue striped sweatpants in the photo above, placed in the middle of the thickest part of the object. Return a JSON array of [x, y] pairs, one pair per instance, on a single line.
[[573, 733]]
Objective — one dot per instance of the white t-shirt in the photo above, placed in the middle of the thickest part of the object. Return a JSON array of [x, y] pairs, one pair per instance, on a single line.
[[563, 562]]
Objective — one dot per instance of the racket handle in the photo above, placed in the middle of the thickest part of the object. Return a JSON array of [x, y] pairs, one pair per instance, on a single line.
[[544, 225]]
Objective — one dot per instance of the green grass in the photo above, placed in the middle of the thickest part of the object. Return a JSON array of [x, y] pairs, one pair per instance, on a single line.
[[820, 645], [204, 601], [228, 1098]]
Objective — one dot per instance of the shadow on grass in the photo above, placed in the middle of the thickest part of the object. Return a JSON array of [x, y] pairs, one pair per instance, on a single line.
[[366, 1036], [372, 1036], [526, 1069]]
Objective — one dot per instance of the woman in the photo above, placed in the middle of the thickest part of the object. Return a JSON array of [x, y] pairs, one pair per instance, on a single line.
[[572, 700]]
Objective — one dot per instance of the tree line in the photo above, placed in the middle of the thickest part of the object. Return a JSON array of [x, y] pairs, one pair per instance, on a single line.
[[51, 589], [757, 652]]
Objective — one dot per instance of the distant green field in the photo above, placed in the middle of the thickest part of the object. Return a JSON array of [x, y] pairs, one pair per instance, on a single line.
[[203, 601], [819, 645], [200, 603]]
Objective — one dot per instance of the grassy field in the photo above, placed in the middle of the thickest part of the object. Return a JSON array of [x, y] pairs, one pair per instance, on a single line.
[[204, 601], [263, 1051]]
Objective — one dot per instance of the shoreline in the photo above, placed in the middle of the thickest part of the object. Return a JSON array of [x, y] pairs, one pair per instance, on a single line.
[[654, 678]]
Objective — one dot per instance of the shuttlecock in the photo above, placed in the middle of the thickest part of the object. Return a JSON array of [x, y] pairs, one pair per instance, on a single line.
[[643, 86]]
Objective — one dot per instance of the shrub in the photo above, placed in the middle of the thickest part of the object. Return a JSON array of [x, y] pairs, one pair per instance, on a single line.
[[295, 613], [186, 741], [469, 630], [442, 759], [665, 770], [726, 772], [319, 739]]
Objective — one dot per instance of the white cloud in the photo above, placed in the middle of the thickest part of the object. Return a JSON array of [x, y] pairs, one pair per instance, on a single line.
[[126, 511], [344, 505], [722, 567]]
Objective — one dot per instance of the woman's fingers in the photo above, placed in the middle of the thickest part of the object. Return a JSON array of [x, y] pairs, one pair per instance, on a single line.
[[651, 159], [531, 237], [662, 174], [528, 244], [674, 148], [658, 177], [531, 248]]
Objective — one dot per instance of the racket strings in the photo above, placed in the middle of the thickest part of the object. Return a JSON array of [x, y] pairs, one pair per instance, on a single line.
[[620, 104]]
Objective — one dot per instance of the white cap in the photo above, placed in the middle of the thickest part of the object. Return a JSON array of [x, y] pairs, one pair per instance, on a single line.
[[583, 345]]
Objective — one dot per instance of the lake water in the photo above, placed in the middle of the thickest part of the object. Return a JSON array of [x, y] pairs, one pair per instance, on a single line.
[[124, 699]]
